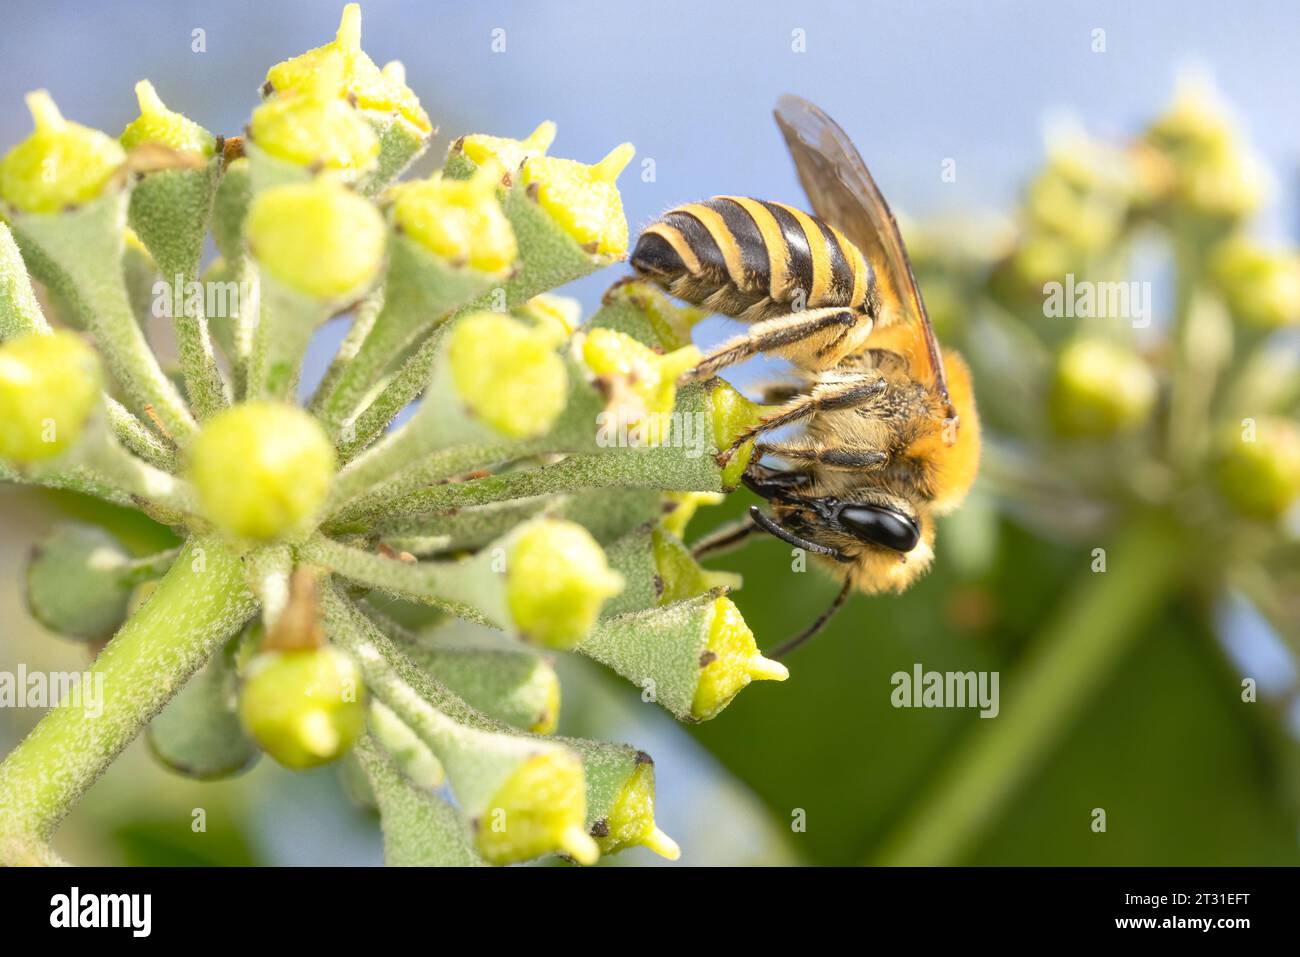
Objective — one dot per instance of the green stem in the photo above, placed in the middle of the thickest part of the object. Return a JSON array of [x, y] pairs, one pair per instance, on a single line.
[[200, 603], [1067, 666]]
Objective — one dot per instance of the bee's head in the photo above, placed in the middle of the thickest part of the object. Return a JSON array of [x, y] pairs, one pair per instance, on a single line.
[[885, 539]]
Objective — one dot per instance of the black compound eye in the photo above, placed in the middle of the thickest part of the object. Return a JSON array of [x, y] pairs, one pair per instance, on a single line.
[[880, 526]]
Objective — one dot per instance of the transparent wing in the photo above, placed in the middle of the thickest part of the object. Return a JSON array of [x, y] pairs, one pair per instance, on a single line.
[[842, 192]]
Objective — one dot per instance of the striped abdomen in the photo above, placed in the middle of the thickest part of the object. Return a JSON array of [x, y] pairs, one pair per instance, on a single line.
[[752, 259]]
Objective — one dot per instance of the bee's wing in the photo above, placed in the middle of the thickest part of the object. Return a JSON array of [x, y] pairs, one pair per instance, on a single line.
[[842, 192]]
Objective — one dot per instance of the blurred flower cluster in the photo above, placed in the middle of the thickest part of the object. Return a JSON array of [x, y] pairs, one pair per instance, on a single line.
[[1155, 343]]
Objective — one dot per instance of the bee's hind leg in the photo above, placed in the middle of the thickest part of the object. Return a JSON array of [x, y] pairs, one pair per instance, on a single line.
[[844, 391], [775, 335]]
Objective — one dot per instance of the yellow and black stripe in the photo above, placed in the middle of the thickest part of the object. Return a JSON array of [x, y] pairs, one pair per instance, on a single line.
[[736, 253]]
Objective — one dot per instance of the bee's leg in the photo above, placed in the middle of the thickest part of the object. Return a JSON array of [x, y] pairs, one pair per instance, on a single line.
[[844, 392], [773, 483], [833, 457], [723, 538], [775, 335]]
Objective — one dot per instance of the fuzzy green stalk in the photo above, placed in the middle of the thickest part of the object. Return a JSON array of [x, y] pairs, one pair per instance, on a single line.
[[198, 605]]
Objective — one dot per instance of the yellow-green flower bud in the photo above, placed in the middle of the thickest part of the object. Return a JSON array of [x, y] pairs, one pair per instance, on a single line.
[[681, 575], [459, 220], [559, 316], [313, 127], [61, 164], [157, 124], [1259, 468], [356, 75], [641, 383], [1100, 389], [318, 238], [540, 809], [1262, 287], [730, 661], [50, 385], [508, 374], [557, 578], [733, 416], [680, 508], [304, 706], [1213, 174], [631, 819], [511, 154], [261, 470], [584, 200]]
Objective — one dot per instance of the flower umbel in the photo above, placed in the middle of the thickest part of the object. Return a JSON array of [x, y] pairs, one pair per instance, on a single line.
[[309, 526]]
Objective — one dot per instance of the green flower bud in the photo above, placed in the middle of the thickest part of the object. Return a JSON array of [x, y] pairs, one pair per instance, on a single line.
[[541, 808], [691, 657], [304, 706], [681, 575], [644, 311], [621, 798], [1100, 389], [262, 470], [198, 733], [519, 688], [1259, 468], [1213, 175], [157, 124], [80, 582], [730, 661], [353, 74], [733, 416], [557, 578], [459, 220], [584, 200], [641, 383], [1262, 287], [61, 164], [511, 154], [508, 374], [680, 508], [312, 127], [559, 316], [318, 238], [50, 385]]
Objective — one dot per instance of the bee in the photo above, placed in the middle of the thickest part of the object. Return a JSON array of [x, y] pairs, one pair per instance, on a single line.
[[889, 435]]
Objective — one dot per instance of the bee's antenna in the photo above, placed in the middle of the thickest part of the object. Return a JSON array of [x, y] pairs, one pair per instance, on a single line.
[[817, 625], [790, 538]]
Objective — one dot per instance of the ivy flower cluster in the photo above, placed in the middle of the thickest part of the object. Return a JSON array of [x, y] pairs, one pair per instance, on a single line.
[[303, 520]]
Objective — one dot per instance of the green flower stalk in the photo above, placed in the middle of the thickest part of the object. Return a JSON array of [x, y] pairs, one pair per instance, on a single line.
[[510, 498], [186, 183], [319, 246]]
